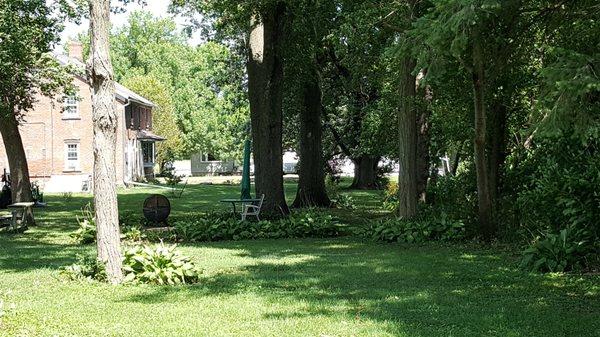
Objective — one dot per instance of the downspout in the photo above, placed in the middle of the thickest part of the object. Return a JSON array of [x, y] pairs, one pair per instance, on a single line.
[[124, 144]]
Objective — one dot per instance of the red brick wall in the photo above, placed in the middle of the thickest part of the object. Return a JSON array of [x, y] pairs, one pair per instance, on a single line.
[[44, 132]]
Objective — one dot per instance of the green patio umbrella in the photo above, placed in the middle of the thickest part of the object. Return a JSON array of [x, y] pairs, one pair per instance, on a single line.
[[246, 172]]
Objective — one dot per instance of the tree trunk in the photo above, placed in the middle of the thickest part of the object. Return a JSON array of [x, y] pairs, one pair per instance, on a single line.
[[454, 161], [311, 186], [407, 139], [365, 172], [105, 127], [481, 167], [17, 161], [265, 89], [423, 142], [497, 152]]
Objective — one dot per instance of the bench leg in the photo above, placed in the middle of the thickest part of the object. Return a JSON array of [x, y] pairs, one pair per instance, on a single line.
[[13, 220]]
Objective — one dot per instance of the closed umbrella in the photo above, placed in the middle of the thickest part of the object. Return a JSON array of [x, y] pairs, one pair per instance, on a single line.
[[246, 172]]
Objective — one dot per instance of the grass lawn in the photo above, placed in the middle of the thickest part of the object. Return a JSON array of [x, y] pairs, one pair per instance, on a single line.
[[315, 287]]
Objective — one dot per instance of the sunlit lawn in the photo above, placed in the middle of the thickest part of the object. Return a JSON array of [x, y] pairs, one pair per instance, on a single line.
[[316, 287]]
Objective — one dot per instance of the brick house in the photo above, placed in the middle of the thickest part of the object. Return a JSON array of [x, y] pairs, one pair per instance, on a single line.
[[57, 137]]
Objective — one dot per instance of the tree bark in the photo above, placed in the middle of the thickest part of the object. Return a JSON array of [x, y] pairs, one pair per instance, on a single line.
[[423, 142], [265, 89], [407, 141], [497, 148], [481, 162], [17, 161], [365, 172], [105, 127], [311, 185], [454, 161]]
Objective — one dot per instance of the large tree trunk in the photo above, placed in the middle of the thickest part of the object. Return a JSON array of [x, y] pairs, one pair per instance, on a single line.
[[105, 127], [365, 172], [265, 88], [481, 167], [17, 161], [311, 186], [407, 140]]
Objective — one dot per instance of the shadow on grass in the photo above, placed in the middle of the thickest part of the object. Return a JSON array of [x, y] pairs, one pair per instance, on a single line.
[[18, 254], [421, 291]]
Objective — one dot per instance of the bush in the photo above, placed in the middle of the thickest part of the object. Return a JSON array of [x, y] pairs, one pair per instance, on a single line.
[[216, 227], [311, 223], [338, 199], [456, 195], [87, 267], [571, 249], [131, 219], [390, 197], [555, 192], [439, 228], [131, 227], [162, 265], [133, 234], [559, 186], [86, 233], [171, 179]]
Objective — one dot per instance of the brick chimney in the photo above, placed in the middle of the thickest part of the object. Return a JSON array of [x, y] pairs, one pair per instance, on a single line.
[[75, 50]]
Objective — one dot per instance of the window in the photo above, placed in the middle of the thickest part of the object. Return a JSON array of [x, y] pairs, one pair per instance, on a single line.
[[148, 153], [71, 157], [71, 107]]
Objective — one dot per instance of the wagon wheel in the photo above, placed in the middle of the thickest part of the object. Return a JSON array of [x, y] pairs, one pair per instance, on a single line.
[[157, 209]]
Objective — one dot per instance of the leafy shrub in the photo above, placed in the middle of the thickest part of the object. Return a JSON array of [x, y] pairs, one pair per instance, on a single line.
[[383, 172], [171, 179], [554, 191], [344, 201], [133, 234], [216, 227], [35, 192], [439, 228], [570, 249], [338, 199], [559, 186], [456, 195], [86, 233], [161, 265], [131, 219], [311, 223], [390, 196], [87, 267]]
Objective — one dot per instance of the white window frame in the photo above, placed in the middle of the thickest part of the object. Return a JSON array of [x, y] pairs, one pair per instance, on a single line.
[[70, 164], [71, 107]]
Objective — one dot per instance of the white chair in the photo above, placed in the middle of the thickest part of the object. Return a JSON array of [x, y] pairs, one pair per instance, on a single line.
[[253, 209]]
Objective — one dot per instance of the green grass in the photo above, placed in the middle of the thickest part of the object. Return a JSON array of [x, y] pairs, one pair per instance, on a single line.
[[316, 287]]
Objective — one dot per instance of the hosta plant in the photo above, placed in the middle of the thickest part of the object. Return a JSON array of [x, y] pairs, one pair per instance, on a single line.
[[438, 228], [161, 265], [87, 267], [216, 227], [86, 232], [570, 249]]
